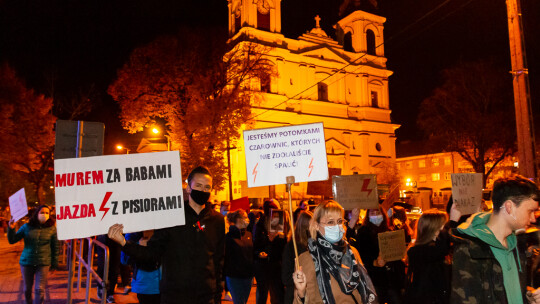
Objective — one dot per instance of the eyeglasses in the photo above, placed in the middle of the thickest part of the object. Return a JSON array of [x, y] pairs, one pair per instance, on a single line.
[[333, 223]]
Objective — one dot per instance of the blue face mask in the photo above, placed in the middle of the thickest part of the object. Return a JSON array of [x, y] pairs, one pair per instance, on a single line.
[[376, 219], [333, 234]]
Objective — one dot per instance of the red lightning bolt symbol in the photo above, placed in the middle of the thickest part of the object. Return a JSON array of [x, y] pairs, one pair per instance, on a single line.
[[365, 187], [255, 172], [310, 167], [102, 207]]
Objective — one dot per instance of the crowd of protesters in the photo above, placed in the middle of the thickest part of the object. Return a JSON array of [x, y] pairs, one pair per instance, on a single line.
[[326, 255]]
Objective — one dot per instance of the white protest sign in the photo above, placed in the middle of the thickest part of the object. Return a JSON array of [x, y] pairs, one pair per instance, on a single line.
[[467, 192], [17, 205], [392, 245], [356, 191], [141, 191], [272, 154]]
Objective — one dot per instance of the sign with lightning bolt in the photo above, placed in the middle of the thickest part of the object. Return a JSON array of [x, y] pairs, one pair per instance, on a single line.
[[141, 191], [356, 191], [272, 154]]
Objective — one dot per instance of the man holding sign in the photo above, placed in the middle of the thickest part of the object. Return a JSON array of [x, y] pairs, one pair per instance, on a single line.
[[192, 254], [487, 265]]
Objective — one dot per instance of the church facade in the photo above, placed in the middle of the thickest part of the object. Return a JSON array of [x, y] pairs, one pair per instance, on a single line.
[[342, 83]]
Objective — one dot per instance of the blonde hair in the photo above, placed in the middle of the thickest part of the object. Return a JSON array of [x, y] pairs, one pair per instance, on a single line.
[[328, 207], [429, 223]]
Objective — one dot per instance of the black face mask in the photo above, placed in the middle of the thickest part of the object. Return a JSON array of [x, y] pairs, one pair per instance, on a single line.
[[200, 197]]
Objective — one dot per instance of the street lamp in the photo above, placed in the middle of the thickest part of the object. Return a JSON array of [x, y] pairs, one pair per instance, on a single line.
[[120, 147], [155, 130]]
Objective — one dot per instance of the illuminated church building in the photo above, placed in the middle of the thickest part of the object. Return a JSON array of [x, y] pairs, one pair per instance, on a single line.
[[343, 84]]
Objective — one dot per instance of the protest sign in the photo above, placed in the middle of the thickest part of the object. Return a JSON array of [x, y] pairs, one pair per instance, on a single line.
[[272, 154], [240, 203], [141, 191], [276, 220], [356, 191], [392, 245], [467, 192], [17, 205]]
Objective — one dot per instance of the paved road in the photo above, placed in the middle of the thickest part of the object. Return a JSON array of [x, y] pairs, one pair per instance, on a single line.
[[11, 286]]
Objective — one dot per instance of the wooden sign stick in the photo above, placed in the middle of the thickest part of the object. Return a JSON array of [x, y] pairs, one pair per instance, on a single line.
[[290, 181]]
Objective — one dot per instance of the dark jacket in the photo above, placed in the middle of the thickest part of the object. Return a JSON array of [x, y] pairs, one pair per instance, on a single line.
[[40, 245], [428, 274], [191, 257], [262, 243], [477, 276], [238, 254], [288, 268]]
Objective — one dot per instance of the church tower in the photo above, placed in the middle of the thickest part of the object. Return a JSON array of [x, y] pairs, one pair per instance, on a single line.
[[343, 83], [260, 14]]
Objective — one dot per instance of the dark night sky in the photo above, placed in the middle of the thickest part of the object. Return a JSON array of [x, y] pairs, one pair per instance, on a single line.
[[84, 42]]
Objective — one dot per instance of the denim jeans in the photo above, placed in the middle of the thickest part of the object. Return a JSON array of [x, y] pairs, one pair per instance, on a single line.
[[239, 288], [40, 273]]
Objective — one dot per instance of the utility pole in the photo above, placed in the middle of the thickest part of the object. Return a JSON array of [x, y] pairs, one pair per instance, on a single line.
[[522, 98]]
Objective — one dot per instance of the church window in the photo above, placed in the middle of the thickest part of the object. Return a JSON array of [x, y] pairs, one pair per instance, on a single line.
[[322, 89], [378, 147], [347, 42], [374, 99], [237, 23], [266, 83], [370, 40], [263, 21]]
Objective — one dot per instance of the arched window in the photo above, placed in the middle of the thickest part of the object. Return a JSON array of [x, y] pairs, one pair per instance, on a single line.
[[347, 42], [322, 89], [370, 40], [237, 23], [266, 83]]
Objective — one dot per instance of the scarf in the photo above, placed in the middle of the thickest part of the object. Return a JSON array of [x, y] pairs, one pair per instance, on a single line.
[[339, 262]]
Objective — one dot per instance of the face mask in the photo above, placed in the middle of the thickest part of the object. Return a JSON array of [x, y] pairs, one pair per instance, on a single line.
[[376, 219], [200, 197], [275, 221], [42, 218], [333, 234]]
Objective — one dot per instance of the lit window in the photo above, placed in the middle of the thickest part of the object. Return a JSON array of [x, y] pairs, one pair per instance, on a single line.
[[447, 161], [435, 177], [422, 163], [435, 162], [447, 175]]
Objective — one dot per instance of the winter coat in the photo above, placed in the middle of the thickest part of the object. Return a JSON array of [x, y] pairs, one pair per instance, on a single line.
[[40, 245], [191, 257], [477, 276], [238, 254], [313, 295]]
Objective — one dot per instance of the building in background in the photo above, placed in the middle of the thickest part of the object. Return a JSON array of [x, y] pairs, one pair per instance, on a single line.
[[342, 83]]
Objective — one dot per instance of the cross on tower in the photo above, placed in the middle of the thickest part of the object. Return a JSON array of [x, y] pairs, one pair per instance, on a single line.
[[317, 20]]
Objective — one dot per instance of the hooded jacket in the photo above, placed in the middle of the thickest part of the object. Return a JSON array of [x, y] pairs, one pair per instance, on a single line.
[[483, 270], [40, 245]]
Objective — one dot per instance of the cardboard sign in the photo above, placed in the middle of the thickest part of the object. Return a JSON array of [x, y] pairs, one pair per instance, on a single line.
[[272, 154], [141, 191], [392, 245], [276, 220], [17, 205], [240, 203], [356, 191], [467, 192]]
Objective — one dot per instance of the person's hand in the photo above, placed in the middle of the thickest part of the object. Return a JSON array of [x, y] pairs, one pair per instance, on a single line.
[[300, 282], [379, 262], [116, 234], [533, 295], [455, 214], [355, 214], [12, 223], [263, 255]]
